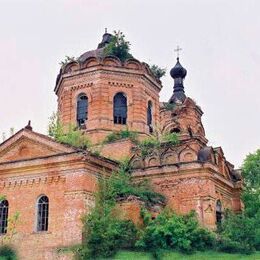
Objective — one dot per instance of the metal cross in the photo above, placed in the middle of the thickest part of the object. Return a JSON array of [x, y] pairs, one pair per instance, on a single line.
[[105, 30], [178, 49]]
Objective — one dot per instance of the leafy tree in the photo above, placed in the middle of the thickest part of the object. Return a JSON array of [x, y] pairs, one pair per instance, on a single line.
[[118, 47], [251, 194]]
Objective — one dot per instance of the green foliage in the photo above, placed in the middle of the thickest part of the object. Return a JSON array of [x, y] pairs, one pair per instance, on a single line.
[[7, 253], [169, 106], [119, 135], [118, 47], [67, 135], [104, 232], [157, 71], [172, 231], [237, 233], [156, 141], [251, 193], [251, 170], [67, 60]]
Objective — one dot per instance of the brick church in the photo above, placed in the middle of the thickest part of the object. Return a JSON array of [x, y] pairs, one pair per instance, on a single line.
[[51, 185]]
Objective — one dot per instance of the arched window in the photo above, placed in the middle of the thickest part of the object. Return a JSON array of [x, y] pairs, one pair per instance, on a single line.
[[42, 213], [175, 130], [82, 109], [120, 109], [150, 116], [218, 211], [3, 216]]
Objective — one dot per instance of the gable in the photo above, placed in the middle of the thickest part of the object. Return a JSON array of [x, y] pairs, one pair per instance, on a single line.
[[27, 144]]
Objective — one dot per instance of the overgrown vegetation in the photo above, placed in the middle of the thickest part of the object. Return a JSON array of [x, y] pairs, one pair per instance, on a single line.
[[241, 232], [119, 135], [118, 47], [157, 71], [67, 135], [67, 60], [104, 232], [156, 141], [7, 253], [172, 231]]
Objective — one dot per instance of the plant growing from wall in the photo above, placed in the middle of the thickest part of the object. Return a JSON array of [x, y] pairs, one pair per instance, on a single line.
[[157, 141], [104, 232], [120, 135], [118, 47], [67, 134], [67, 60], [157, 71]]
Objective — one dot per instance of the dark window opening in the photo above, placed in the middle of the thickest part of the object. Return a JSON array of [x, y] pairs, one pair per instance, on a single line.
[[175, 130], [149, 117], [42, 213], [218, 212], [3, 216], [120, 109], [190, 132], [82, 110]]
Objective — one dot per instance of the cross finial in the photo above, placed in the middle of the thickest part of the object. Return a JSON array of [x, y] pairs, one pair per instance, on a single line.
[[178, 49], [105, 30]]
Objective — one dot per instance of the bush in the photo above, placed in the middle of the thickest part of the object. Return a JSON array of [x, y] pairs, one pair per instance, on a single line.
[[157, 71], [104, 233], [118, 47], [237, 233], [122, 134], [155, 142], [7, 253], [72, 135], [172, 231]]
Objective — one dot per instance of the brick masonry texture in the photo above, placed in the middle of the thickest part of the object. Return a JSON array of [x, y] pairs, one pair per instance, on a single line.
[[192, 175]]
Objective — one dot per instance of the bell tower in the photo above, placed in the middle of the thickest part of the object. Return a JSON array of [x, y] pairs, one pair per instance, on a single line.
[[101, 94]]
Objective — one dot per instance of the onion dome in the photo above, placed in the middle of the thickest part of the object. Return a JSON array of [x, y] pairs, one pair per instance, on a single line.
[[178, 73]]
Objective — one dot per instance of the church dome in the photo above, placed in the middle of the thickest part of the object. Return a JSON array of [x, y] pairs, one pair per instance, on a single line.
[[178, 71]]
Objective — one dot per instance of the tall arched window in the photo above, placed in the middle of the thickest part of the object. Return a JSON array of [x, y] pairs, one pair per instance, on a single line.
[[120, 109], [3, 216], [150, 116], [218, 211], [82, 109], [42, 213]]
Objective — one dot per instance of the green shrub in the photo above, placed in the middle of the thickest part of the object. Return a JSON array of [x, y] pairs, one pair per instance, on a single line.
[[119, 135], [157, 71], [155, 142], [118, 47], [67, 134], [104, 233], [7, 253], [237, 233], [172, 231]]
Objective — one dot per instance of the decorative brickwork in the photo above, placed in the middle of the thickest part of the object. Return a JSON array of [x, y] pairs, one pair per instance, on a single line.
[[192, 175]]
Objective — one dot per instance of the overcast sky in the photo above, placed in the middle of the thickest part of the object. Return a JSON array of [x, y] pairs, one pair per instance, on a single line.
[[221, 51]]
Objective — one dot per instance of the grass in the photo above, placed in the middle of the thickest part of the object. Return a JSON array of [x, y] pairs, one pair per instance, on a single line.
[[208, 255]]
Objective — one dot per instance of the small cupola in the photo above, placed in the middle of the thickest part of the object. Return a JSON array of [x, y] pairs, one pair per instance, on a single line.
[[178, 73]]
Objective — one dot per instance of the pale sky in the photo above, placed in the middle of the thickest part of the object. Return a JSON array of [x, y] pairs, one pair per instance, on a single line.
[[221, 51]]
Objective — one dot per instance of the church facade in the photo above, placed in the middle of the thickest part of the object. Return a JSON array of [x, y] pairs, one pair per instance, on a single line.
[[52, 185]]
